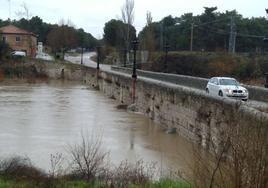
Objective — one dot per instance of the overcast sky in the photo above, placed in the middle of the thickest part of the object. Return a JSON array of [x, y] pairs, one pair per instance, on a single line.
[[91, 15]]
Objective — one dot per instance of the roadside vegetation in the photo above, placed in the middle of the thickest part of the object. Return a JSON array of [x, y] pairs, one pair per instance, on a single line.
[[249, 68]]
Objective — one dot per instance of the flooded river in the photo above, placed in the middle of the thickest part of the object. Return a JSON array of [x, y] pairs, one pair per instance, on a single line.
[[37, 120]]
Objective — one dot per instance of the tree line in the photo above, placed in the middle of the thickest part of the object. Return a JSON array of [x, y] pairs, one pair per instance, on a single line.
[[59, 37], [209, 31]]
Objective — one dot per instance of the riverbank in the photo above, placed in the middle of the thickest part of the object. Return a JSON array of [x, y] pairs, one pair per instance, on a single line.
[[59, 183], [88, 168]]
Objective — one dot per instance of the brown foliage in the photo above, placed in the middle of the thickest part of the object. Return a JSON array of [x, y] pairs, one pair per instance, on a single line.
[[239, 160], [62, 38]]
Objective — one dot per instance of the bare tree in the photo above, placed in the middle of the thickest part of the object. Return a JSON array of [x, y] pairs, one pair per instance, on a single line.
[[148, 38], [25, 12], [88, 160], [240, 160], [67, 22], [127, 12], [149, 18], [9, 9], [56, 162]]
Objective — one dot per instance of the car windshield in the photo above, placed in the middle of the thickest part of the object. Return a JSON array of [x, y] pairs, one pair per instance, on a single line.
[[228, 82]]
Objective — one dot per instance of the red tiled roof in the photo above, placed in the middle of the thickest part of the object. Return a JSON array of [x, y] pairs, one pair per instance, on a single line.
[[11, 29]]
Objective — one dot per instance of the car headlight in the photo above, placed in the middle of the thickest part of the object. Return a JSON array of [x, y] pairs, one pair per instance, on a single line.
[[245, 91], [228, 91]]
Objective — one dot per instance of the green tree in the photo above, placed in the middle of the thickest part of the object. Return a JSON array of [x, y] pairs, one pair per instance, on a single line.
[[114, 33], [211, 31], [86, 40]]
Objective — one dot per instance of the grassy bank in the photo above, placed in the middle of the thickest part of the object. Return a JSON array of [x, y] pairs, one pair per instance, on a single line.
[[56, 183]]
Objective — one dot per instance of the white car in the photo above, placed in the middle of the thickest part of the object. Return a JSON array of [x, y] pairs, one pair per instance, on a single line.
[[18, 54], [226, 87], [44, 56]]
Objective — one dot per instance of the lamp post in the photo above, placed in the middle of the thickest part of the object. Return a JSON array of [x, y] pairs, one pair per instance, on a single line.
[[192, 33], [98, 57], [265, 40], [166, 56], [135, 46], [266, 81], [134, 74], [82, 55], [125, 57]]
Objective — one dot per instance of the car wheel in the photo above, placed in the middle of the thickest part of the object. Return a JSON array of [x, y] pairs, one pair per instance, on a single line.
[[207, 91], [245, 100], [220, 93]]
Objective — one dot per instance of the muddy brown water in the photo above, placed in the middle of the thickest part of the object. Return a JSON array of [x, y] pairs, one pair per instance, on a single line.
[[40, 119]]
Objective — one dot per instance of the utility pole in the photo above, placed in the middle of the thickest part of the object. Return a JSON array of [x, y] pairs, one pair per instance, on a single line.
[[232, 37], [162, 37], [192, 35]]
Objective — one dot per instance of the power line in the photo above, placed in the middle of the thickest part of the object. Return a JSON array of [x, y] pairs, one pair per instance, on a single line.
[[250, 36], [223, 32]]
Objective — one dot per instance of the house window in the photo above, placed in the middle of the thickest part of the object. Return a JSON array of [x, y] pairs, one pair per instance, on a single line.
[[17, 39]]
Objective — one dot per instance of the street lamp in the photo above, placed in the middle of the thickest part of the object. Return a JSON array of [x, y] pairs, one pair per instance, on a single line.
[[265, 40], [82, 56], [166, 56], [135, 46], [266, 81], [98, 57], [125, 57], [134, 74], [192, 34]]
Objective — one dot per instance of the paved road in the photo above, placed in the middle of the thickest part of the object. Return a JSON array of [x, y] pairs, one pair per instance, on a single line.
[[86, 60]]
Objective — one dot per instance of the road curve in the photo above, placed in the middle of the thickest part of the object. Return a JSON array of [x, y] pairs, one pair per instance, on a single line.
[[87, 61]]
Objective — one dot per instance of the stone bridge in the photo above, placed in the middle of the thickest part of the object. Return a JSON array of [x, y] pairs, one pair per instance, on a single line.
[[193, 113]]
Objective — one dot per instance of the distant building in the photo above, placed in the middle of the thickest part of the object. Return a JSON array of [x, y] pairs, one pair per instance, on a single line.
[[19, 39]]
